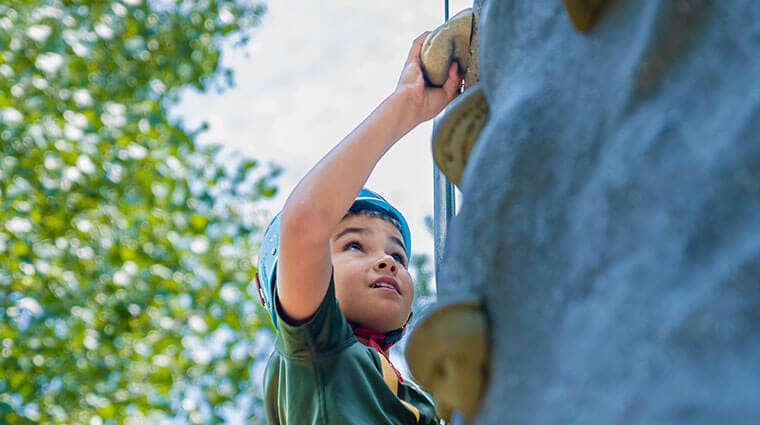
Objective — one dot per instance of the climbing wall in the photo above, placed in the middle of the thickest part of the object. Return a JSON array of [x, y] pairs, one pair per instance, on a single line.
[[610, 217]]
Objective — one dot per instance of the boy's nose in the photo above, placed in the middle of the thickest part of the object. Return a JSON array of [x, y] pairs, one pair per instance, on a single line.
[[386, 263]]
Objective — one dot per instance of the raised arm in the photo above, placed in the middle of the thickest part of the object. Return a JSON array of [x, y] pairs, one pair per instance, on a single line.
[[321, 199]]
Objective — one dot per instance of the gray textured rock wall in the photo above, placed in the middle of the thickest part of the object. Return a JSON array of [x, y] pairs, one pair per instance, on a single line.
[[611, 214]]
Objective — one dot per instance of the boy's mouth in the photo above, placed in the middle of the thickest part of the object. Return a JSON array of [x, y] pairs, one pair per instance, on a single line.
[[386, 282]]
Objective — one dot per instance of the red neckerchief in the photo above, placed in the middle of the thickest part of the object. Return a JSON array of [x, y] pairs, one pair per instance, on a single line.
[[379, 342]]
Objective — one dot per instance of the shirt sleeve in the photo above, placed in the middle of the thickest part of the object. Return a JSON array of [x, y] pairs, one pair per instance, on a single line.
[[325, 333]]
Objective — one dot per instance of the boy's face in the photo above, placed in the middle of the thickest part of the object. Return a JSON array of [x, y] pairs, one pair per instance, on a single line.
[[372, 283]]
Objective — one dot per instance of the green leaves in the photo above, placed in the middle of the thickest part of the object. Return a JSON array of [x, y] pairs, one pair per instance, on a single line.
[[125, 249]]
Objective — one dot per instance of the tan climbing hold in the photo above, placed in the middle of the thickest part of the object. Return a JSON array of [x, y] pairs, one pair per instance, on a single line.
[[457, 131], [447, 353], [449, 42], [584, 13]]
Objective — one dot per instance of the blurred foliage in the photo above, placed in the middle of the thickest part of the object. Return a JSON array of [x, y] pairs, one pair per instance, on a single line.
[[125, 247], [421, 267]]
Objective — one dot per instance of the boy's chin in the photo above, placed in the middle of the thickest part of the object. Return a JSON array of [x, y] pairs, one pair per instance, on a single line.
[[380, 324]]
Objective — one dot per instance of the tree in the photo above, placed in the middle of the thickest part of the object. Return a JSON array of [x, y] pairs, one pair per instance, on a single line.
[[125, 248]]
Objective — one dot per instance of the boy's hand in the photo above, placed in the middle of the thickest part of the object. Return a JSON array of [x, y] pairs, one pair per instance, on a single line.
[[426, 101]]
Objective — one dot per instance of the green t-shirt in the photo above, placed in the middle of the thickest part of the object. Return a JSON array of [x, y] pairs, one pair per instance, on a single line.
[[320, 374]]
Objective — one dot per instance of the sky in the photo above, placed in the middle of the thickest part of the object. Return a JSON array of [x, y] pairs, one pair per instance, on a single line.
[[311, 72]]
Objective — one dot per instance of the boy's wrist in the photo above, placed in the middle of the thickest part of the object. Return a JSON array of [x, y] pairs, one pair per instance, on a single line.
[[403, 101]]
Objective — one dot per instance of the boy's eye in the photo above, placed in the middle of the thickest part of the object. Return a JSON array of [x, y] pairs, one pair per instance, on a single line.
[[399, 259], [353, 246]]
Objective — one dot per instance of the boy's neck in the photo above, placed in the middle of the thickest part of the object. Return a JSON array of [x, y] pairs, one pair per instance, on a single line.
[[371, 338]]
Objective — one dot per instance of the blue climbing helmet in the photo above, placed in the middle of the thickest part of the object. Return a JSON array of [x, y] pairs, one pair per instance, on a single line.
[[266, 275]]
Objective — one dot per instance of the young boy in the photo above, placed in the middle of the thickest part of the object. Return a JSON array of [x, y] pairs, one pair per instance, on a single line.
[[334, 275]]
